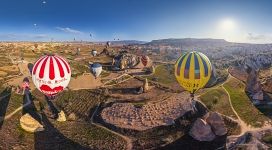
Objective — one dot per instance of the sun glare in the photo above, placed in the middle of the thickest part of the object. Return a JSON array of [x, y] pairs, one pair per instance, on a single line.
[[227, 25]]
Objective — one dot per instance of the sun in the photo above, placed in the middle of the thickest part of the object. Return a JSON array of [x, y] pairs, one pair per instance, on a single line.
[[227, 25]]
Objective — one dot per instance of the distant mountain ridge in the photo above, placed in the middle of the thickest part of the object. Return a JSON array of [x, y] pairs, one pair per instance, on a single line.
[[188, 42], [127, 42]]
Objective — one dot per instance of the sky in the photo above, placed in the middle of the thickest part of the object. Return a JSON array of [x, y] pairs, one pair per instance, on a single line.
[[247, 21]]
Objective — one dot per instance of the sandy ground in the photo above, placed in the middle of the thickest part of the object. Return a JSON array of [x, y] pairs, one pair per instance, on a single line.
[[85, 81], [25, 73], [127, 91]]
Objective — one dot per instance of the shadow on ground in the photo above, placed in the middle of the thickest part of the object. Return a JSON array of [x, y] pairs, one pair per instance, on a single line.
[[186, 142], [51, 138], [4, 101]]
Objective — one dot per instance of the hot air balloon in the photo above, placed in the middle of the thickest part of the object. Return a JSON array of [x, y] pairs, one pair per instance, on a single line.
[[25, 83], [36, 45], [30, 67], [94, 52], [193, 71], [78, 51], [96, 69], [108, 44], [144, 60], [51, 74]]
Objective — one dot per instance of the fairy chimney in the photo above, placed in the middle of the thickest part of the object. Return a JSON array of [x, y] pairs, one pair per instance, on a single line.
[[146, 87]]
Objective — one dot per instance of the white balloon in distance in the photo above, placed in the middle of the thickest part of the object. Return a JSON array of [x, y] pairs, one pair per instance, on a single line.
[[96, 69], [51, 74]]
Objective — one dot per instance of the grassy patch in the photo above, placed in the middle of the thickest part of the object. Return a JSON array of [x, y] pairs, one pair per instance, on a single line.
[[92, 136], [16, 101], [164, 74], [217, 100], [104, 74], [78, 69], [242, 104], [267, 139]]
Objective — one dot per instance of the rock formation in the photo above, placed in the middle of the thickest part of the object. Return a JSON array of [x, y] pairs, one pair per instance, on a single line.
[[61, 117], [202, 131], [124, 60], [72, 117], [29, 124], [253, 85], [153, 69], [208, 127], [217, 123], [239, 73], [250, 140], [267, 85], [145, 86], [259, 61]]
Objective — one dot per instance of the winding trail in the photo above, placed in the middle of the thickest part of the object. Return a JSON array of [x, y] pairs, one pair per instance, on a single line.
[[125, 74], [244, 126], [127, 139]]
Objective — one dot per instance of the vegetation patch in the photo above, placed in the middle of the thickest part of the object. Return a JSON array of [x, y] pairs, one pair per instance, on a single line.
[[164, 74], [91, 136], [267, 139], [218, 100], [104, 74], [242, 104]]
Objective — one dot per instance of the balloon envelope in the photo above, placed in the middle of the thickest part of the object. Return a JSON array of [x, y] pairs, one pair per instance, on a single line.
[[94, 52], [51, 74], [193, 71], [108, 44], [144, 60], [96, 69], [30, 67]]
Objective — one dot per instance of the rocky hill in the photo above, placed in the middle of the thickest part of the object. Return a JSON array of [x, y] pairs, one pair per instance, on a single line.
[[259, 61], [189, 42]]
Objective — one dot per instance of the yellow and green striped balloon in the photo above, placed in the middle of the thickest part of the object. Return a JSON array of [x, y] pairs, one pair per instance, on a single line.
[[193, 71]]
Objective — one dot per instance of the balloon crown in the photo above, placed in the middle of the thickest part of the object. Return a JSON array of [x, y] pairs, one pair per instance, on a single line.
[[50, 54]]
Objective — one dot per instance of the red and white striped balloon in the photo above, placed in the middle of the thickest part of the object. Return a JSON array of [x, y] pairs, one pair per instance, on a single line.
[[144, 60], [51, 74]]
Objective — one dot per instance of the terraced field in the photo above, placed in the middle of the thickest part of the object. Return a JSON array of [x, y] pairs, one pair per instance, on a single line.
[[81, 102]]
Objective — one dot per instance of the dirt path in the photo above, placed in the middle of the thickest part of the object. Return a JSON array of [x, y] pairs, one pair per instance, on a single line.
[[104, 84], [244, 126], [85, 81], [128, 140]]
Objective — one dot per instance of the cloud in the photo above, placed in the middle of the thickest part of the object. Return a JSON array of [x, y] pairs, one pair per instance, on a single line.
[[251, 36], [259, 38], [40, 36], [69, 30], [22, 37], [8, 36]]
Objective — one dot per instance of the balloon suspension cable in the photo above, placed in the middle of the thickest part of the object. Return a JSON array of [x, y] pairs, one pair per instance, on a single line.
[[193, 102], [50, 97], [51, 106], [50, 53], [192, 95]]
